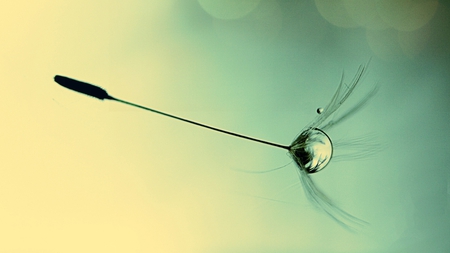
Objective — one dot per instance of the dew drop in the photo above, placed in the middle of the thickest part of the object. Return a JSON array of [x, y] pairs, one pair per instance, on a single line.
[[312, 150]]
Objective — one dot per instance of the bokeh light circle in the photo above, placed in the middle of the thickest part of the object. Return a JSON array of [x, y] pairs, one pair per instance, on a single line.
[[228, 9], [335, 13], [364, 13], [406, 15], [256, 30]]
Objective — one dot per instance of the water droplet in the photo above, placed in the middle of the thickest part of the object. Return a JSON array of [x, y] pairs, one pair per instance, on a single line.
[[312, 150]]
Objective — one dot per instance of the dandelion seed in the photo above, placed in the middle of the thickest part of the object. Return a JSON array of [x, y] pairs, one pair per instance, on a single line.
[[311, 151]]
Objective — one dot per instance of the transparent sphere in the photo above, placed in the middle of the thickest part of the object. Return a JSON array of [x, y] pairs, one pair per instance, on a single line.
[[312, 150]]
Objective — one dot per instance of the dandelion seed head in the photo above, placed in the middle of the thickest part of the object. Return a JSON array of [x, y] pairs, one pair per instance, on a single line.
[[312, 150]]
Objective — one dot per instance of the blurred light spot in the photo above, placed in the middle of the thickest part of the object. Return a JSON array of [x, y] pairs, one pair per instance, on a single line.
[[336, 13], [412, 43], [228, 9], [384, 43], [407, 15], [395, 28], [439, 40], [431, 40], [364, 13], [258, 29]]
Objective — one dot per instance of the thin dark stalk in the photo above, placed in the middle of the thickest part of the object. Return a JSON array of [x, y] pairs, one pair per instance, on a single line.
[[200, 124]]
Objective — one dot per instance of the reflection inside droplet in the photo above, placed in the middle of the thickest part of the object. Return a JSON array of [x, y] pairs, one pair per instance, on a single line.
[[312, 150]]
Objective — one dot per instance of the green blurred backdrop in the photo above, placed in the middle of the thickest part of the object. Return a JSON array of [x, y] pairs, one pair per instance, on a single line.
[[81, 175]]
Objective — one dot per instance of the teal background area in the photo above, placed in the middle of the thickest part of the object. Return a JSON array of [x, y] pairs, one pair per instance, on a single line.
[[82, 175]]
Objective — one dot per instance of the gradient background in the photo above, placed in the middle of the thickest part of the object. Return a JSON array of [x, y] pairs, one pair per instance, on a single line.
[[81, 175]]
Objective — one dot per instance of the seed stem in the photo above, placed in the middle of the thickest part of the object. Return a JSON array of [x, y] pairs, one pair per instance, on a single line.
[[200, 124]]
